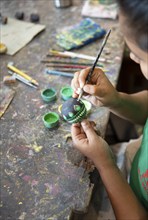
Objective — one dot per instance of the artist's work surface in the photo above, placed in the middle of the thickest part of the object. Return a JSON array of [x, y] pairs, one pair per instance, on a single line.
[[16, 34], [43, 177]]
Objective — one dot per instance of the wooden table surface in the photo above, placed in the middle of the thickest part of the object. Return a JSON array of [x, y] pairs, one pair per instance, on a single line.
[[42, 175]]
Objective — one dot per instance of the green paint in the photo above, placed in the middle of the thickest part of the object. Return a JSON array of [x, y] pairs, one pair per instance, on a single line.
[[64, 117], [51, 119], [77, 108], [48, 92], [66, 92], [71, 114], [48, 95], [88, 105]]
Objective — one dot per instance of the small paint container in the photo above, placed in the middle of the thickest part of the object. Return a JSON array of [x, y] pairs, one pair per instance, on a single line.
[[66, 92], [51, 119], [88, 105], [49, 95]]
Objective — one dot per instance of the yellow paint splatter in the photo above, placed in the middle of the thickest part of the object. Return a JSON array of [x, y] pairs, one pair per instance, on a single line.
[[37, 148]]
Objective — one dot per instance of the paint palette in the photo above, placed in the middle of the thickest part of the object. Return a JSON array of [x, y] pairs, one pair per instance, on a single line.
[[79, 35], [73, 111]]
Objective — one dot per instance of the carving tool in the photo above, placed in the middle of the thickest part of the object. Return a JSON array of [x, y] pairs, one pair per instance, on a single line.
[[95, 63], [22, 79], [22, 74]]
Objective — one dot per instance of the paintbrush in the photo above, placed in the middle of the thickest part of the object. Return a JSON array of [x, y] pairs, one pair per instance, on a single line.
[[69, 61], [69, 54], [58, 73], [73, 70], [70, 66], [95, 63]]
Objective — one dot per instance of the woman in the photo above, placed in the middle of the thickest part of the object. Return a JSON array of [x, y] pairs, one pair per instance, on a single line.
[[129, 201]]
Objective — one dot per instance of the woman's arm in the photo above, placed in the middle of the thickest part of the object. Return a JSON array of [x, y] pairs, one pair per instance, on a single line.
[[122, 198], [101, 92], [133, 107], [124, 202]]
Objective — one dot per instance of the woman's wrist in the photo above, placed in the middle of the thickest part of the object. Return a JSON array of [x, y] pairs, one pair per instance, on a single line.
[[116, 101], [104, 165], [104, 161]]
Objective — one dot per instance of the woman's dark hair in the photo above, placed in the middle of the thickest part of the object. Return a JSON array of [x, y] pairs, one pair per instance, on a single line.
[[136, 12]]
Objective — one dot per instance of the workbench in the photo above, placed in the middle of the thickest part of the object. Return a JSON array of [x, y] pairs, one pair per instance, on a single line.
[[42, 175]]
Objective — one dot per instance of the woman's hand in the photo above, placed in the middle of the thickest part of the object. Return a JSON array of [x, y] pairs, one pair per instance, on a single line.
[[99, 91], [90, 144]]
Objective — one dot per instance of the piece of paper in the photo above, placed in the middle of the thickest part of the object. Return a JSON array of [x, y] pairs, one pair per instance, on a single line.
[[97, 10], [16, 34]]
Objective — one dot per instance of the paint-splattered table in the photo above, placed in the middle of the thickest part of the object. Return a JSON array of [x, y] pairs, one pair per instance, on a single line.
[[42, 175]]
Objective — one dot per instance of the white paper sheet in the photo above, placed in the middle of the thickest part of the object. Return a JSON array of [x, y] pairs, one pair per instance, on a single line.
[[16, 34]]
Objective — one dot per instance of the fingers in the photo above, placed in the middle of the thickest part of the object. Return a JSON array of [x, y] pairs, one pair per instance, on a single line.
[[93, 124], [75, 129], [82, 76], [88, 129], [90, 89], [79, 80], [75, 82]]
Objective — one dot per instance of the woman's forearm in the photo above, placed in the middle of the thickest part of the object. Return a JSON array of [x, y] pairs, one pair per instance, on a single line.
[[123, 200], [132, 107]]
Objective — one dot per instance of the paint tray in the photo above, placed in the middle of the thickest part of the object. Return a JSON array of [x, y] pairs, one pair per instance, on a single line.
[[79, 35]]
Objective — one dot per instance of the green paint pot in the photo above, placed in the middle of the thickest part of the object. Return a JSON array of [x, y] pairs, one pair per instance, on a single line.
[[66, 92], [49, 95], [51, 119], [88, 105]]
